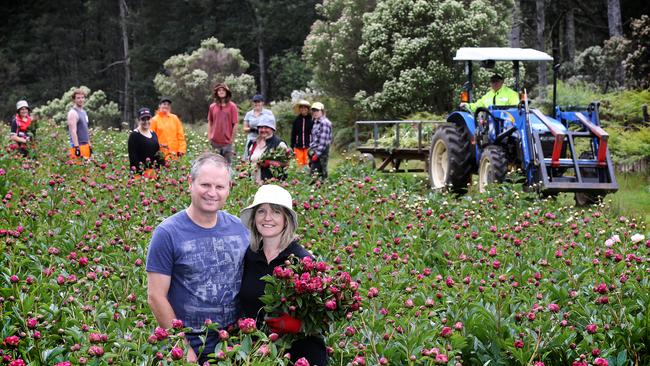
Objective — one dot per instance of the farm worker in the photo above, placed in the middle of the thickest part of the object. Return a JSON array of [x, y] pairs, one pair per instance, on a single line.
[[195, 259], [321, 138], [19, 125], [223, 117], [143, 146], [78, 127], [252, 119], [267, 141], [272, 223], [301, 132], [169, 129], [497, 95]]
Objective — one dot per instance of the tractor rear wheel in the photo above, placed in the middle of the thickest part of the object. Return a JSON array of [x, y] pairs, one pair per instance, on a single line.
[[450, 158], [492, 167]]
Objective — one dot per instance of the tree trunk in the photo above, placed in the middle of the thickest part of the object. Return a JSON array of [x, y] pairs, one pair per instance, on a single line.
[[616, 30], [570, 35], [515, 30], [264, 84], [614, 18], [126, 101], [540, 21]]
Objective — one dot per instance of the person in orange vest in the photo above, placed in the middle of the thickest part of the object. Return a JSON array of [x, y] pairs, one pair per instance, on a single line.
[[169, 129], [78, 128]]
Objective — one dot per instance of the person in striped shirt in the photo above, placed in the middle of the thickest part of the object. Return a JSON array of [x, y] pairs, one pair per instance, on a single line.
[[321, 139]]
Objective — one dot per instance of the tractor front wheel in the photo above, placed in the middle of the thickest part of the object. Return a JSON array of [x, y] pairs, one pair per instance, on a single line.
[[492, 167], [450, 158]]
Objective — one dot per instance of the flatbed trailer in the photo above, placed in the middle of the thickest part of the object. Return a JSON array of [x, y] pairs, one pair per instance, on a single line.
[[395, 154]]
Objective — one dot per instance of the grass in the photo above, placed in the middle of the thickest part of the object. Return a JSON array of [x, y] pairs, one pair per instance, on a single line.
[[633, 197]]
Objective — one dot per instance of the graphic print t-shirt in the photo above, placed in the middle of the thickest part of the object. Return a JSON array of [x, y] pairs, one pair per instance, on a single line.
[[205, 266]]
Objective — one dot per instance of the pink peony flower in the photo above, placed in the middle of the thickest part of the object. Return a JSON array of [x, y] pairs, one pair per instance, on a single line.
[[446, 332], [330, 305], [17, 362], [302, 362], [441, 358], [591, 328], [553, 307], [160, 333], [97, 351], [519, 343], [247, 325], [11, 341], [177, 353], [600, 362], [223, 335], [177, 324]]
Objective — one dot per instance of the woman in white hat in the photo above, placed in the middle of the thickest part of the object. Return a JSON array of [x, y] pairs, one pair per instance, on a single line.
[[272, 223], [19, 125], [266, 140]]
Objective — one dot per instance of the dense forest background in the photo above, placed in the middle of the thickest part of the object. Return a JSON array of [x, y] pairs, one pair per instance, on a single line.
[[119, 46]]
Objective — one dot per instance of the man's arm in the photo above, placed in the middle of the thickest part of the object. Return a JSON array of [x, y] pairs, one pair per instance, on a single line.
[[73, 118], [157, 288], [235, 121]]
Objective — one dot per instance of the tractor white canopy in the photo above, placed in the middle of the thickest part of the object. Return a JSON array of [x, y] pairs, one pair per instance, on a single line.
[[500, 54]]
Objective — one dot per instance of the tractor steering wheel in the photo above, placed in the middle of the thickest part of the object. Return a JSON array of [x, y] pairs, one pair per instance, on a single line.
[[482, 129]]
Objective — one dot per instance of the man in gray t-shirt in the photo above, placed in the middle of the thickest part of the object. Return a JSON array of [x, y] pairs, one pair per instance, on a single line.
[[195, 259], [78, 127]]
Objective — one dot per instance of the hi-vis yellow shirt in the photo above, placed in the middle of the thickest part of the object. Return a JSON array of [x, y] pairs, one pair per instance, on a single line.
[[503, 96]]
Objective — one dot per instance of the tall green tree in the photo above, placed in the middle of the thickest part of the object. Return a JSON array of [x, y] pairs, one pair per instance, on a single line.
[[331, 49], [189, 78], [410, 46]]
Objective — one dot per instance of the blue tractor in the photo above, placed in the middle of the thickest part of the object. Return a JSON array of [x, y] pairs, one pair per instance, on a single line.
[[566, 152]]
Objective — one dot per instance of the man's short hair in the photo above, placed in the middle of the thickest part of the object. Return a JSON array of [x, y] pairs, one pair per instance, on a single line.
[[209, 157], [78, 91]]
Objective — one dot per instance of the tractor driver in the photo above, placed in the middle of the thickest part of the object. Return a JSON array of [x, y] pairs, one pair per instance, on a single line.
[[497, 95]]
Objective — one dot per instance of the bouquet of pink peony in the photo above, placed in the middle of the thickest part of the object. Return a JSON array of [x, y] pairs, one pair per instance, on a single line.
[[277, 160], [312, 292]]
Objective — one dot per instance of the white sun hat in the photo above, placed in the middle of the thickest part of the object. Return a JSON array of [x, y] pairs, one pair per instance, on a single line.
[[272, 194]]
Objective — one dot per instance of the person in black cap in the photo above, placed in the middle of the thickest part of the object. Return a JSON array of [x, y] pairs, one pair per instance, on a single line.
[[497, 95], [144, 149], [253, 118]]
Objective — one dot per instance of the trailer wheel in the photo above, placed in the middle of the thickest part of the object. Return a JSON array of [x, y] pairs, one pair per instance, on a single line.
[[450, 162], [492, 167]]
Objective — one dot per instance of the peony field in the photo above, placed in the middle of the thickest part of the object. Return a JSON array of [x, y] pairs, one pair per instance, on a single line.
[[501, 278]]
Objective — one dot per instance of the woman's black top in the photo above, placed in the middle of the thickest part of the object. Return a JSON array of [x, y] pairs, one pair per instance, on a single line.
[[301, 131], [142, 148], [252, 288]]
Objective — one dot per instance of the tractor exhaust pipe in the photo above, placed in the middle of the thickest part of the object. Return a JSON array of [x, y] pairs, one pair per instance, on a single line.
[[556, 68]]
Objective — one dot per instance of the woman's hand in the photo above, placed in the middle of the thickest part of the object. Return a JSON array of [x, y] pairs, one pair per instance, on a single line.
[[284, 324]]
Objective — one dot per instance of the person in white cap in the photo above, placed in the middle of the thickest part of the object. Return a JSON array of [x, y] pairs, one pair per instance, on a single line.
[[195, 259], [19, 125], [321, 139], [266, 141], [272, 223]]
